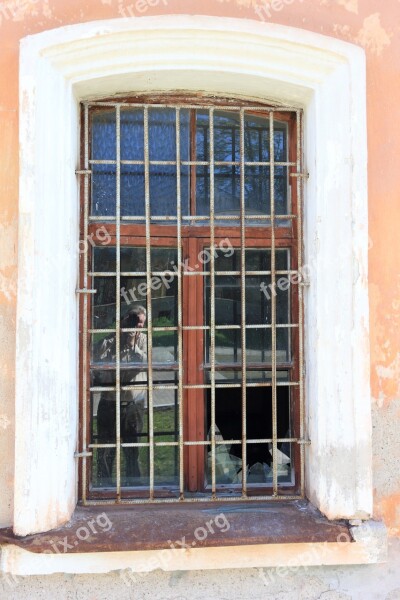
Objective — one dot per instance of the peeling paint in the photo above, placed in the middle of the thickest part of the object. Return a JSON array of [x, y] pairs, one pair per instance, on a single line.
[[373, 36], [8, 242], [4, 422], [8, 286], [350, 5], [388, 508], [388, 377]]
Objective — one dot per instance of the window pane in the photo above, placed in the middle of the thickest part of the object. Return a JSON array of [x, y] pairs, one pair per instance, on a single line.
[[133, 294], [103, 312], [162, 147], [104, 189], [227, 178], [228, 420], [259, 293], [103, 135], [133, 414], [132, 134]]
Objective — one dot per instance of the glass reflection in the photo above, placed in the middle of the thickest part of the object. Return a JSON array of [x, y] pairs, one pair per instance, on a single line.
[[227, 178], [162, 147], [228, 309]]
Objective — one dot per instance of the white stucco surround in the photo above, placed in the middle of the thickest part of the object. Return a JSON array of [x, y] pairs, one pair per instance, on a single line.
[[224, 56]]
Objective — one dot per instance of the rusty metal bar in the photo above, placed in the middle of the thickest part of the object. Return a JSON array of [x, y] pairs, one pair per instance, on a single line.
[[198, 443], [299, 132], [224, 498], [273, 308], [198, 328], [149, 303], [180, 317], [273, 220], [188, 163], [174, 105], [85, 306], [118, 301], [195, 386], [162, 273], [212, 303], [243, 304], [95, 218], [235, 217]]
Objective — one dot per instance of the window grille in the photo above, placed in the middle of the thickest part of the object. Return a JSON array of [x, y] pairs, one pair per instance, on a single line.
[[205, 198]]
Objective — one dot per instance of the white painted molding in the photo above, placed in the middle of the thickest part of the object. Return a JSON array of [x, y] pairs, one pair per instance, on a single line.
[[222, 56]]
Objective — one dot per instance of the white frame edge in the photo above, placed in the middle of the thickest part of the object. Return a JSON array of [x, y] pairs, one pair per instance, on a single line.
[[224, 56]]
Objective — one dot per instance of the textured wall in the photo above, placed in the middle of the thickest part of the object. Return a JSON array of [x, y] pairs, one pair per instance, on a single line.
[[366, 582]]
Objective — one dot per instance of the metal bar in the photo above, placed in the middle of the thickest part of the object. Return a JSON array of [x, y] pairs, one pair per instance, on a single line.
[[243, 304], [229, 273], [153, 218], [193, 443], [198, 327], [187, 163], [85, 307], [235, 163], [299, 174], [118, 301], [230, 498], [180, 318], [85, 454], [272, 220], [299, 125], [221, 107], [193, 218], [205, 386], [273, 308], [212, 301], [162, 273], [149, 303], [236, 217]]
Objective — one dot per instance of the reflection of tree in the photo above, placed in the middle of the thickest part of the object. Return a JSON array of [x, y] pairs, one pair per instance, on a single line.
[[162, 146], [227, 148]]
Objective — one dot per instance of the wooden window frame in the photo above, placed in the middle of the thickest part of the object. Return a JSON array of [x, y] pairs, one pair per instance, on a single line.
[[194, 238]]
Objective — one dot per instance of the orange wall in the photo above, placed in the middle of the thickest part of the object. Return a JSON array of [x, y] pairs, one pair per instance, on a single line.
[[375, 25]]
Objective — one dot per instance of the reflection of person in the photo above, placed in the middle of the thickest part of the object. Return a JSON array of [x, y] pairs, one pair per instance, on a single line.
[[133, 350]]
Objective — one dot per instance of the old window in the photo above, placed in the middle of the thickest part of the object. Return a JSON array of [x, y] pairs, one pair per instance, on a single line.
[[191, 320]]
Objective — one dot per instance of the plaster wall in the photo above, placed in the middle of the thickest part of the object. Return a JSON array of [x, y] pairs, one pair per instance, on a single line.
[[372, 24]]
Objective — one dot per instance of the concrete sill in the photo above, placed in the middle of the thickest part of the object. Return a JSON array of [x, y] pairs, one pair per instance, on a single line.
[[192, 536]]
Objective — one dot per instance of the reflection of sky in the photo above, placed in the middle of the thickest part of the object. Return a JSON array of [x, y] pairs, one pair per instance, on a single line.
[[162, 146]]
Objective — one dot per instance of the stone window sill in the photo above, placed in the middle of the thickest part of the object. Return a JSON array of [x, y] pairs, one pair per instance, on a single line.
[[192, 536]]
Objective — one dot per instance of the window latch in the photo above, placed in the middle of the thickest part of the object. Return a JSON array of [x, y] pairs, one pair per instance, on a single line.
[[83, 172]]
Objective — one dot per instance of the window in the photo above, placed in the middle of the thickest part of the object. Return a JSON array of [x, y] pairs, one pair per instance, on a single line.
[[191, 309], [322, 75]]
